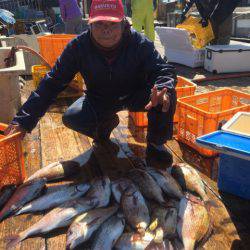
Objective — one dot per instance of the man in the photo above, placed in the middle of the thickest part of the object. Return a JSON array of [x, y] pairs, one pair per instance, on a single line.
[[219, 12], [121, 69], [71, 16], [143, 17]]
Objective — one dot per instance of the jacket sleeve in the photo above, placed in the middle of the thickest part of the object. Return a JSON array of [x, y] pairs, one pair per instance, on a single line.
[[54, 82], [159, 71]]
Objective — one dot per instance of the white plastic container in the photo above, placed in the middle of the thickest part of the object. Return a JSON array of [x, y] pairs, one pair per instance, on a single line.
[[228, 58], [178, 47], [239, 124], [10, 97]]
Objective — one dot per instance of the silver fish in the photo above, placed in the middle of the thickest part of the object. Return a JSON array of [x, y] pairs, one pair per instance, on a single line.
[[119, 186], [147, 185], [58, 217], [100, 188], [167, 183], [54, 199], [5, 193], [23, 194], [85, 224], [135, 209], [194, 223], [133, 241], [56, 170], [108, 233], [189, 179]]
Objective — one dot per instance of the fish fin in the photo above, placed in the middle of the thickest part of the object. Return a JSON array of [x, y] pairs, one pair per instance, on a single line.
[[210, 203], [12, 241]]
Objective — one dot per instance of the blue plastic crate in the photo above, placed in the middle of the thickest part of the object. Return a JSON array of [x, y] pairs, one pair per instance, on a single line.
[[234, 176], [234, 165]]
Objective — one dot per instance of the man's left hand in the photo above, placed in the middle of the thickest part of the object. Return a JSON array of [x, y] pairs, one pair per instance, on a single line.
[[158, 97]]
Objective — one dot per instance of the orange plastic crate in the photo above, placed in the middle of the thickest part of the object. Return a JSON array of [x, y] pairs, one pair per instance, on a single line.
[[75, 88], [12, 169], [183, 88], [201, 114], [52, 46]]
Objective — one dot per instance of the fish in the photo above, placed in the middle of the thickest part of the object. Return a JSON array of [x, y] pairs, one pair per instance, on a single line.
[[101, 189], [56, 170], [135, 241], [22, 195], [194, 223], [109, 232], [119, 186], [147, 185], [54, 199], [58, 217], [165, 245], [135, 209], [86, 224], [164, 222], [167, 183], [189, 179], [5, 193]]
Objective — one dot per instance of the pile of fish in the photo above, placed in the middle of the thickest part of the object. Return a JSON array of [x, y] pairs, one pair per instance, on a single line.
[[147, 209]]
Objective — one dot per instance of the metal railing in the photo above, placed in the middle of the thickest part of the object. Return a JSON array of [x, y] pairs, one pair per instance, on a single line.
[[13, 5]]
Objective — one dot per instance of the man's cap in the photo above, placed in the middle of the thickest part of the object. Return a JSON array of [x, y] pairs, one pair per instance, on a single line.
[[106, 10]]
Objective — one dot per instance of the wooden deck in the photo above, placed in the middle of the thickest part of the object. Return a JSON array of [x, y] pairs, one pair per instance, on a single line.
[[51, 141]]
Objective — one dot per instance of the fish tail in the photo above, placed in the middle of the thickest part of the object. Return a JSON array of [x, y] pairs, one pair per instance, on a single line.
[[13, 240]]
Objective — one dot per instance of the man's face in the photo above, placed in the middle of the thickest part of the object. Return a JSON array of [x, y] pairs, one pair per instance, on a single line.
[[107, 33]]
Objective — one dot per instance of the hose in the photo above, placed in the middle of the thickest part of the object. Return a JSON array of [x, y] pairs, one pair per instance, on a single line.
[[221, 77], [10, 59]]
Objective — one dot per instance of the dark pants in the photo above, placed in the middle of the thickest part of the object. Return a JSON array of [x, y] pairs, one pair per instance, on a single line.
[[93, 119]]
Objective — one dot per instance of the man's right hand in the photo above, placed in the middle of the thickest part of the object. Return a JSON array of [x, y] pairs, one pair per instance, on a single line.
[[15, 128]]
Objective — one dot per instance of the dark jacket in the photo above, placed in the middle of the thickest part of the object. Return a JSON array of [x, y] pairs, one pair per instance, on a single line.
[[216, 10], [137, 66]]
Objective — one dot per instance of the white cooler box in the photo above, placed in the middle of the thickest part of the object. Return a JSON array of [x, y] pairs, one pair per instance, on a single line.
[[228, 58], [178, 47]]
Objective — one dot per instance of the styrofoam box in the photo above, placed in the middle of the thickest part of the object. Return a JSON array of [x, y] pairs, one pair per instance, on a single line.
[[178, 47], [234, 57], [239, 124]]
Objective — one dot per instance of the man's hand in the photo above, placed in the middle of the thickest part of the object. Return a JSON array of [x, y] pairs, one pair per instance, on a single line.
[[158, 97], [14, 128]]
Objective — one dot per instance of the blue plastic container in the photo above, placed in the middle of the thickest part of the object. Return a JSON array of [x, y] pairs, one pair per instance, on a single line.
[[234, 164]]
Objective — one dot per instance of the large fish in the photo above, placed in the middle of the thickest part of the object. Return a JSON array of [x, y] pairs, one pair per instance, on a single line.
[[119, 186], [54, 199], [108, 233], [133, 241], [194, 221], [58, 217], [100, 188], [5, 193], [57, 170], [135, 209], [164, 222], [23, 194], [189, 179], [85, 224], [167, 183], [147, 185]]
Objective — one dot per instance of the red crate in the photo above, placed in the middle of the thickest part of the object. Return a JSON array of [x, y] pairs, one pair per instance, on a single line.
[[12, 169]]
